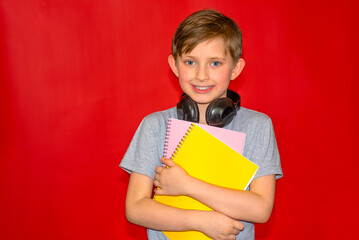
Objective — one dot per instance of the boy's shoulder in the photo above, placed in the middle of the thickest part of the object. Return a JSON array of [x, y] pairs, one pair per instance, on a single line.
[[246, 113], [159, 119], [250, 120], [162, 115]]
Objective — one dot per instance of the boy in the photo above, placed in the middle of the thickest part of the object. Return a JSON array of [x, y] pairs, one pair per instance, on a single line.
[[206, 50]]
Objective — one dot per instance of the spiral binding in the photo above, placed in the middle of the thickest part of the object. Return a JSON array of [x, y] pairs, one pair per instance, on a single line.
[[182, 141], [165, 153]]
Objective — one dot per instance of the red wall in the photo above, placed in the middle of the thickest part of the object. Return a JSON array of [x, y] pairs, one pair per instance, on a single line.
[[77, 77]]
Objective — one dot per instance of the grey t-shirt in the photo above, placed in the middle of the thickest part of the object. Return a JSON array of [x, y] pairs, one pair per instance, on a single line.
[[146, 148]]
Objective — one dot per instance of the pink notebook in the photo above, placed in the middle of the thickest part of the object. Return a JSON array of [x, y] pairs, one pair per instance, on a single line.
[[176, 129]]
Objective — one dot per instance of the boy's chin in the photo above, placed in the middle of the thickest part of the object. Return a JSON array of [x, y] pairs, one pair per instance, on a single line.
[[205, 100]]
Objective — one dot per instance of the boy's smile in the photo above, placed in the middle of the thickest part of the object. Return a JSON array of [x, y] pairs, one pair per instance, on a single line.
[[204, 73]]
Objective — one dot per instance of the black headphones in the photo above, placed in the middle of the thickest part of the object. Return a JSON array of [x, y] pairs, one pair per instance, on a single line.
[[219, 113]]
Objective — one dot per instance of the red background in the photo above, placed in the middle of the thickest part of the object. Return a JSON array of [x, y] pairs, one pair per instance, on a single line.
[[78, 76]]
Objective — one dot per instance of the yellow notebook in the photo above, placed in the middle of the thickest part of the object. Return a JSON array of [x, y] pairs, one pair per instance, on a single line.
[[205, 157]]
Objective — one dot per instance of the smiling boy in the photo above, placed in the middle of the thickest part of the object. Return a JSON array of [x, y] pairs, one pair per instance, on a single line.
[[206, 50], [205, 72]]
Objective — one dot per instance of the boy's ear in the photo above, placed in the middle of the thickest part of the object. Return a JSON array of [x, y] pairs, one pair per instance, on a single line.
[[172, 63], [238, 67]]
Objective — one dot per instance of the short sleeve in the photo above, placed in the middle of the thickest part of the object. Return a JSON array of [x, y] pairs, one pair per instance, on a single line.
[[143, 153], [265, 151]]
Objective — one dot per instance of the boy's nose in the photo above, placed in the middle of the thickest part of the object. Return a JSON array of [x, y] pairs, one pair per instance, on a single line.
[[202, 73]]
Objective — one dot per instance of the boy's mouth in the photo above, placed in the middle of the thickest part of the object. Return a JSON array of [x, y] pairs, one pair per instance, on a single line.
[[202, 87]]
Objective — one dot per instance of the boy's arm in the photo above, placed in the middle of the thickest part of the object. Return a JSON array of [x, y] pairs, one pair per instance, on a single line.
[[253, 206], [144, 211]]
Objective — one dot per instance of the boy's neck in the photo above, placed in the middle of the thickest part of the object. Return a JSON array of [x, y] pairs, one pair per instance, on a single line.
[[202, 113]]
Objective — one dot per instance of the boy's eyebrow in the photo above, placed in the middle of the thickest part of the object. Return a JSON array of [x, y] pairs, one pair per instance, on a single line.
[[212, 58], [187, 56], [218, 58]]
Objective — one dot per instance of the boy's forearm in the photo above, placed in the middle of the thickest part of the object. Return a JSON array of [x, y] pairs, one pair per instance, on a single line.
[[254, 206], [144, 211], [151, 214]]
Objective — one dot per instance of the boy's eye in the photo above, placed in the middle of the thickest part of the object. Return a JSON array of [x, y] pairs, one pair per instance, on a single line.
[[189, 62], [215, 64]]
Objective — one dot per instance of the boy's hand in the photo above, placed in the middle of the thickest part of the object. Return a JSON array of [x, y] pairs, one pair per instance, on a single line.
[[218, 226], [171, 181]]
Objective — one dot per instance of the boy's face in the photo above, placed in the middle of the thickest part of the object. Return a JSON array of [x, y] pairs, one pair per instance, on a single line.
[[204, 73]]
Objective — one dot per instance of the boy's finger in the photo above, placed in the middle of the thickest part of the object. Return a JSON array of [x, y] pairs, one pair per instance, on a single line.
[[239, 226], [168, 162], [159, 169], [156, 183]]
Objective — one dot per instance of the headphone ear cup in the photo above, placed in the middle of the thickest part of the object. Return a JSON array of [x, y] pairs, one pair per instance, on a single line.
[[187, 109], [220, 112]]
